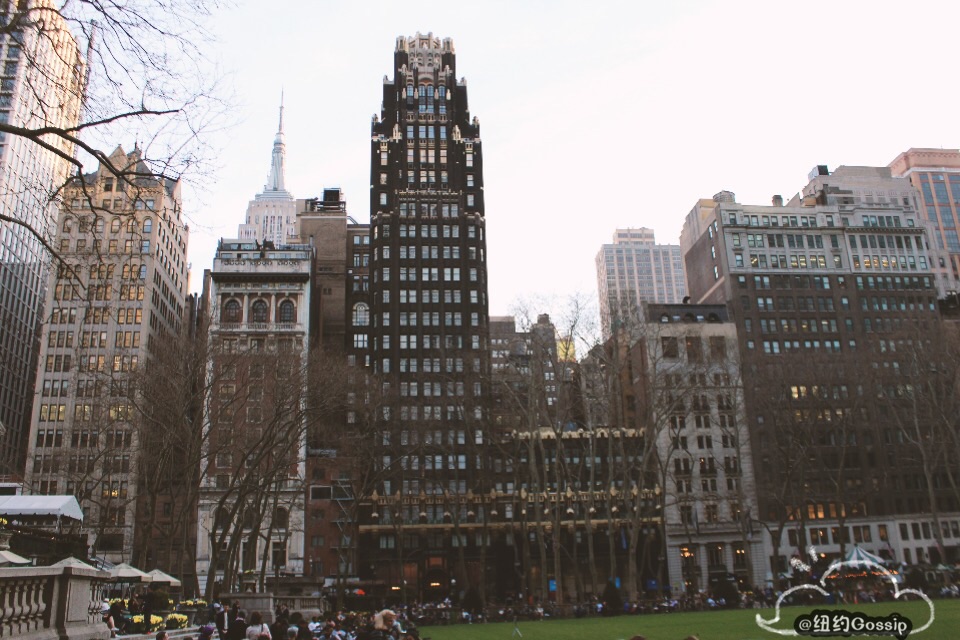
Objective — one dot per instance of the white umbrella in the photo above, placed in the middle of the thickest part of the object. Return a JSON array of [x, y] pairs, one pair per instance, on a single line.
[[164, 578], [8, 557], [125, 573], [73, 562]]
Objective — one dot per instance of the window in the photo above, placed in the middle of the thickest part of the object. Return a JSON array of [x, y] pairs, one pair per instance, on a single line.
[[259, 311], [361, 315], [718, 348], [148, 225], [671, 348], [287, 311], [281, 518]]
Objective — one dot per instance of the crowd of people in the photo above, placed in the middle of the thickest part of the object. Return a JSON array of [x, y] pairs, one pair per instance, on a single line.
[[401, 623], [236, 624], [119, 619]]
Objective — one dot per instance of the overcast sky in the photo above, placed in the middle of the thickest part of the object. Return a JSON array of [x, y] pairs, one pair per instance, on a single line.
[[593, 116]]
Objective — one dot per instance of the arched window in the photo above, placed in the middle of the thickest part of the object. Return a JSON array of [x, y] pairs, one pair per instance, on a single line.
[[231, 311], [68, 225], [126, 272], [98, 226], [248, 518], [132, 225], [143, 274], [361, 315], [288, 311], [259, 311], [281, 518], [148, 225], [115, 225]]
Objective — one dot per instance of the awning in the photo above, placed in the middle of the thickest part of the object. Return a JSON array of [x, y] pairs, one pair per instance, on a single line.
[[160, 577], [41, 506]]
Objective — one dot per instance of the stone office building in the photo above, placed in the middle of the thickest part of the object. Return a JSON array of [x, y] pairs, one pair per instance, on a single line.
[[116, 299], [834, 296]]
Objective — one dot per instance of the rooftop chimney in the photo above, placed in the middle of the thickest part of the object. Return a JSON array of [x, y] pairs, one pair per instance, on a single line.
[[778, 200]]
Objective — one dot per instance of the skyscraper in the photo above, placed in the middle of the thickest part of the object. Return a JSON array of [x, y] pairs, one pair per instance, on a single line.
[[429, 315], [272, 214], [40, 87], [936, 175], [114, 301], [636, 269]]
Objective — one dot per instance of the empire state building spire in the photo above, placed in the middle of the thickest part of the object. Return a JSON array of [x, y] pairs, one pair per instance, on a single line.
[[275, 182], [272, 214]]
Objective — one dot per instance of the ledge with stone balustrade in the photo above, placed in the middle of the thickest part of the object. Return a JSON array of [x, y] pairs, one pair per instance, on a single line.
[[52, 603]]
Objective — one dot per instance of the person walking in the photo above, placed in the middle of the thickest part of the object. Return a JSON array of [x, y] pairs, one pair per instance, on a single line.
[[238, 627], [256, 627]]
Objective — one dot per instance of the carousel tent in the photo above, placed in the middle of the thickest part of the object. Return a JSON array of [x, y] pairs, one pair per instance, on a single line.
[[159, 577], [858, 557]]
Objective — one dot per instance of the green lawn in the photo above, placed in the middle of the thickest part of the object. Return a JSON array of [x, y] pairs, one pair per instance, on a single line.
[[718, 625]]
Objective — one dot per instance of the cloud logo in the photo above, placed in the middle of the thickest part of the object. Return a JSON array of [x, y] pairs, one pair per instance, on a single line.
[[768, 625]]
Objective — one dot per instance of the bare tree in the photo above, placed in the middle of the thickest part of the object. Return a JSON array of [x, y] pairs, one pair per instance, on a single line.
[[144, 71], [918, 389]]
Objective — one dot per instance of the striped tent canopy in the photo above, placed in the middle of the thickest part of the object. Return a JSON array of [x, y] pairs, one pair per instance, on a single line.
[[861, 558]]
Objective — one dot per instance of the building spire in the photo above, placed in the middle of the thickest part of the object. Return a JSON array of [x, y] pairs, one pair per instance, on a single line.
[[276, 180], [280, 128]]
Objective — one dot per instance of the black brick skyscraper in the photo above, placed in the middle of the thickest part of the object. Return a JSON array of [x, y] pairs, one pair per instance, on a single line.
[[429, 315]]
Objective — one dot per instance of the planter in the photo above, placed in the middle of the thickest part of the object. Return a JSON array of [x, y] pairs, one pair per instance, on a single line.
[[177, 621], [190, 613]]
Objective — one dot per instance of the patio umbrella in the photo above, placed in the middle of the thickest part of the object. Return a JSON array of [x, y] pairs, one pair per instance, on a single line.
[[125, 573], [73, 562], [8, 558], [160, 577], [860, 558]]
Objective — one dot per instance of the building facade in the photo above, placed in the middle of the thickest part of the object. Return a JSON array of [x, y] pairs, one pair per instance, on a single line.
[[40, 87], [117, 296], [635, 269], [935, 173], [340, 311], [834, 296], [692, 390], [251, 501], [428, 328]]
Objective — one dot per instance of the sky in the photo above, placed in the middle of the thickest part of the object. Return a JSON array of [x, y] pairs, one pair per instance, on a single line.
[[593, 116]]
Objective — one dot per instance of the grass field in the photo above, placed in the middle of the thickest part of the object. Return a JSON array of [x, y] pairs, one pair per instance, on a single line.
[[713, 625]]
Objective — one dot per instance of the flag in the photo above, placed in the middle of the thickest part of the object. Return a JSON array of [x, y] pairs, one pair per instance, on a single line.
[[696, 520], [623, 538]]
